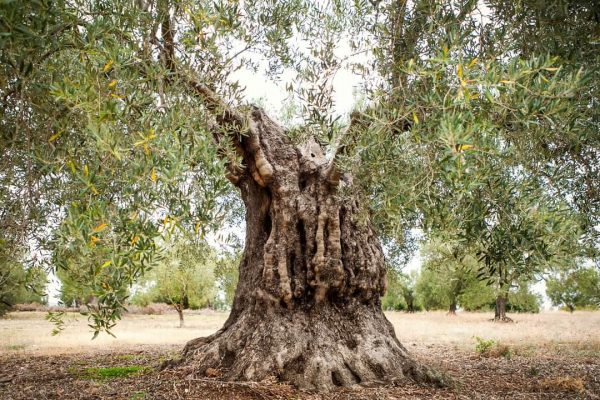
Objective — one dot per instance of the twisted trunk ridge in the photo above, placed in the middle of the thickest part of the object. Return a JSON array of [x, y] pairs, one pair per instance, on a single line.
[[307, 307]]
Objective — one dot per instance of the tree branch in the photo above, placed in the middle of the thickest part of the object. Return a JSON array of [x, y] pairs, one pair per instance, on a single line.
[[232, 124], [357, 123]]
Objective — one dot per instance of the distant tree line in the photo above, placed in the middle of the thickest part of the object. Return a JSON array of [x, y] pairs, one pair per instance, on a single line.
[[194, 275], [450, 278], [428, 291], [188, 275]]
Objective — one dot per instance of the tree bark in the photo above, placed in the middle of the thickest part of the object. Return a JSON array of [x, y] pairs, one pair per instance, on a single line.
[[410, 305], [307, 306], [452, 308], [180, 313], [500, 309]]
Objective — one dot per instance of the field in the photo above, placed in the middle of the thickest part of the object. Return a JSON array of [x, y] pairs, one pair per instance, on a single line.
[[545, 356]]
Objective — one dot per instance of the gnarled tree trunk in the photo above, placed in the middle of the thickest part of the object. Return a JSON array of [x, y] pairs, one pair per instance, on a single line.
[[307, 305]]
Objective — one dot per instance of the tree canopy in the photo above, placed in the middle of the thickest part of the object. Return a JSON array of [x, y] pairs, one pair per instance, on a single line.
[[477, 120]]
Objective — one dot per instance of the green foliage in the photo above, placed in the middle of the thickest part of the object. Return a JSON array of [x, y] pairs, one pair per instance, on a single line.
[[485, 131], [401, 294], [566, 159], [432, 290], [482, 297], [575, 289], [20, 285], [97, 131], [457, 119], [57, 319], [393, 300], [528, 236], [71, 292], [482, 345], [108, 373], [492, 348], [226, 274], [522, 300], [478, 297], [449, 276], [448, 271], [107, 155], [448, 126]]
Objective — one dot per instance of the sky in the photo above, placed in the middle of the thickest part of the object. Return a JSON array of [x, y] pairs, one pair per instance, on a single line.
[[273, 95]]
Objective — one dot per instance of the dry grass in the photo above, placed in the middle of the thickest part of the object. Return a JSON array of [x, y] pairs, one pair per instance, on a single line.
[[552, 355], [28, 332], [563, 384], [578, 331]]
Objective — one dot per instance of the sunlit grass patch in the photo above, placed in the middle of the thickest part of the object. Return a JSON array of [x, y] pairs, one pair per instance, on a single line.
[[16, 347], [110, 372]]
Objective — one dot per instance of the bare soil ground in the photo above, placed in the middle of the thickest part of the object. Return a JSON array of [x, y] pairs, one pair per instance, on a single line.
[[552, 355]]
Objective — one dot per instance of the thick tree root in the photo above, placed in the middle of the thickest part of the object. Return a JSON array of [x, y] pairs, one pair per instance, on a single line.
[[316, 350]]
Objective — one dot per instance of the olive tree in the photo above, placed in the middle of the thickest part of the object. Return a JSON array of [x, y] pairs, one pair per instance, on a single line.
[[184, 278], [121, 121], [575, 288], [448, 270]]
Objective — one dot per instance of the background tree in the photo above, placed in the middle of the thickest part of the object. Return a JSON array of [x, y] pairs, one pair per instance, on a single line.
[[19, 284], [394, 300], [521, 299], [183, 279], [226, 274], [402, 292], [520, 236], [479, 297], [449, 279], [482, 297], [448, 271], [573, 289], [409, 291]]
